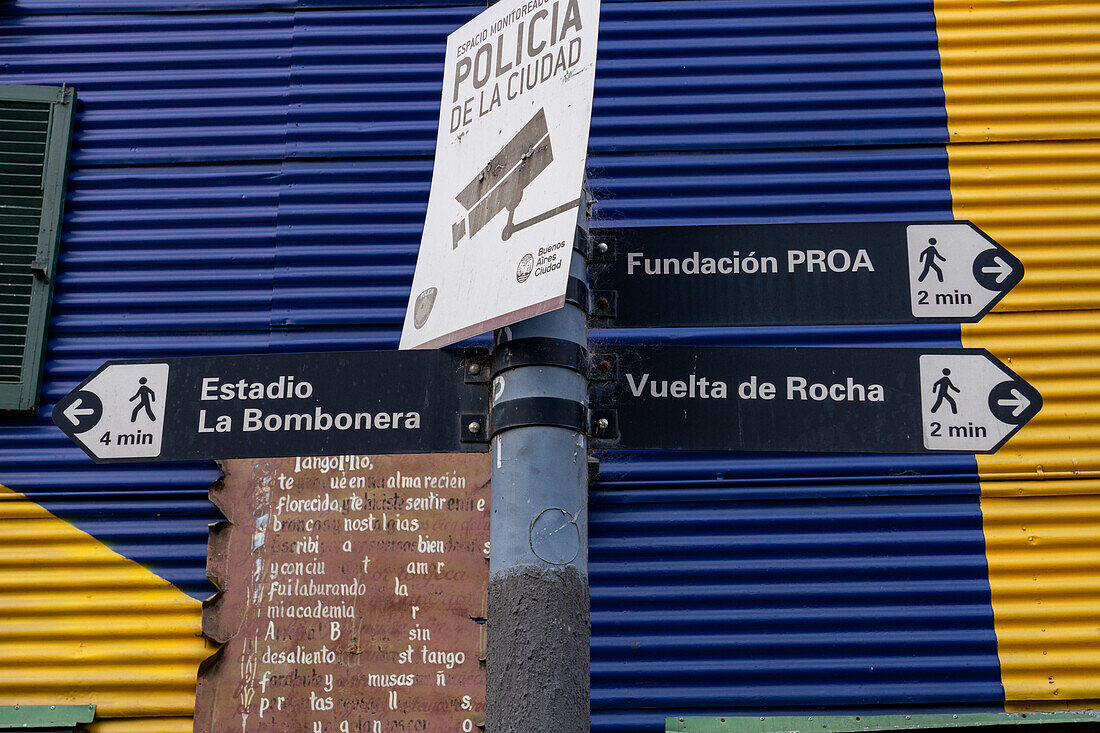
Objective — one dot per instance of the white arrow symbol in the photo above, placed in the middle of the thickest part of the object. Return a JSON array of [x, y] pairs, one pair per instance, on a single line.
[[1019, 401], [1002, 267], [74, 414]]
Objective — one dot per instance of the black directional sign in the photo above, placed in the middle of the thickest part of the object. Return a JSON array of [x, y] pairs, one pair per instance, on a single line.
[[808, 399], [279, 405], [799, 274]]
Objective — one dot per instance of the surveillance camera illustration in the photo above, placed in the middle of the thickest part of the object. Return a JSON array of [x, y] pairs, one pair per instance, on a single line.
[[500, 184]]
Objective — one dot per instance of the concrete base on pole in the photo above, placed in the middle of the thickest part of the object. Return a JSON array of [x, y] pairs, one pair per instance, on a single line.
[[539, 642]]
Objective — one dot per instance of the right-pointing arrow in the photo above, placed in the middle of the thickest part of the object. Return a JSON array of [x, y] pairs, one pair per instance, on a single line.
[[1000, 268], [1018, 401]]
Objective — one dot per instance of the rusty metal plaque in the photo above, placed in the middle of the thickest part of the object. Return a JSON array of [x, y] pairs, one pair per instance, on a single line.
[[352, 595]]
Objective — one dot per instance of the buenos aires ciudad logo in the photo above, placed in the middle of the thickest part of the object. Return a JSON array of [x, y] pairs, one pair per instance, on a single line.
[[526, 265]]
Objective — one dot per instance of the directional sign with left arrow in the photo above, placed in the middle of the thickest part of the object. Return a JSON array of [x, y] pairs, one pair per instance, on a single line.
[[269, 405], [808, 399], [799, 274]]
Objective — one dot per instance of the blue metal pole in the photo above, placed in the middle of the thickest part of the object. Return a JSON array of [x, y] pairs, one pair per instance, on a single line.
[[538, 615]]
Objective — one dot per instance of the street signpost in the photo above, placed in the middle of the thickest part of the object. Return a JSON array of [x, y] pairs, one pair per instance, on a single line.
[[808, 399], [497, 249], [640, 398], [279, 405], [800, 274], [509, 166]]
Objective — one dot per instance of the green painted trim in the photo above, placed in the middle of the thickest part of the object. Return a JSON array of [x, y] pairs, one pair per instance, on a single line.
[[24, 395], [44, 717], [28, 93], [861, 723]]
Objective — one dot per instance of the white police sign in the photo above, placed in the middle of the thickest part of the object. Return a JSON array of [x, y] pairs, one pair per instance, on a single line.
[[509, 166]]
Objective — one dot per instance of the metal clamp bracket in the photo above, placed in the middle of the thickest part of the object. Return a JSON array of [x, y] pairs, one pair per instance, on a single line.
[[539, 352], [576, 292], [541, 411], [581, 243]]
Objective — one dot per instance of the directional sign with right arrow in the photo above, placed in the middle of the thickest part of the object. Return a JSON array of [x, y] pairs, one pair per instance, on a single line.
[[808, 399], [956, 272], [798, 274], [971, 402]]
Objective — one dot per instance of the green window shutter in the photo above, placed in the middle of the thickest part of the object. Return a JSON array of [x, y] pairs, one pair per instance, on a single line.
[[35, 132]]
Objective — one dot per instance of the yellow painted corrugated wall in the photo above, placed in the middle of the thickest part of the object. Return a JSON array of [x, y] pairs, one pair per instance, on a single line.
[[1022, 85], [81, 624]]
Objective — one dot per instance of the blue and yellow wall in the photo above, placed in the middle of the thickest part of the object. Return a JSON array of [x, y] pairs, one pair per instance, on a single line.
[[1024, 158], [252, 176]]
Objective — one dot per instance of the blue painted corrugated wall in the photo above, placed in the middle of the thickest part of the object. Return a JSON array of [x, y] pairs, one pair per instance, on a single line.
[[252, 177]]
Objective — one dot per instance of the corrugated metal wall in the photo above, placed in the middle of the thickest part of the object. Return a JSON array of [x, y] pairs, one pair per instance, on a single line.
[[752, 584], [252, 177], [80, 623], [1022, 98]]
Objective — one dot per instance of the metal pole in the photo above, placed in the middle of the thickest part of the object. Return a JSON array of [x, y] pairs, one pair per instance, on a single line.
[[538, 615]]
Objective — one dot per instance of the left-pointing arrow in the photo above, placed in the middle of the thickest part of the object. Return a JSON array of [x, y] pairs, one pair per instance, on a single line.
[[74, 411], [78, 412]]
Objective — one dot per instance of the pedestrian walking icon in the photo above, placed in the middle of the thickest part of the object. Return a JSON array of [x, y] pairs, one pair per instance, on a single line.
[[942, 389], [928, 258], [145, 398]]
